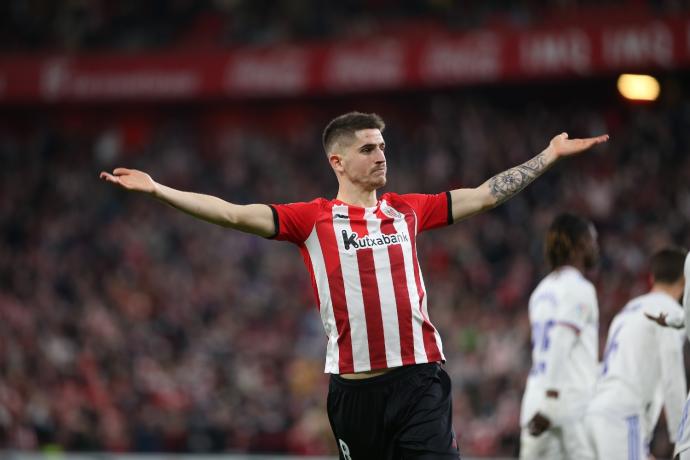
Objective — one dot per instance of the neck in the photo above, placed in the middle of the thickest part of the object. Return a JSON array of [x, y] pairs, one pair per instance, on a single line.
[[670, 289], [362, 198], [579, 265]]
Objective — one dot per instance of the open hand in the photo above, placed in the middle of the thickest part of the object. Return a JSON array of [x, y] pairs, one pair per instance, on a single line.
[[538, 424], [661, 320], [561, 146], [130, 179]]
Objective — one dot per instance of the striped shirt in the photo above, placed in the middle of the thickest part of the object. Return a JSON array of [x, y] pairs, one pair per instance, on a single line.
[[366, 277]]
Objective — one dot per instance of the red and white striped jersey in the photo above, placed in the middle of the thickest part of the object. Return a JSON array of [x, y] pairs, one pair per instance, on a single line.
[[366, 277]]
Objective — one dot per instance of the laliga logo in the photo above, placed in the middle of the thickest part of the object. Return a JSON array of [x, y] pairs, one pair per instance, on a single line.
[[55, 78]]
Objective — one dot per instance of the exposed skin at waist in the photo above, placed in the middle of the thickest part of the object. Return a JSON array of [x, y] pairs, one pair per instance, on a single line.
[[365, 374], [368, 374]]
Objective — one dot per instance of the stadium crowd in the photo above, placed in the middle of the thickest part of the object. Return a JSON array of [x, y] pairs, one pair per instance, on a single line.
[[127, 326], [89, 25]]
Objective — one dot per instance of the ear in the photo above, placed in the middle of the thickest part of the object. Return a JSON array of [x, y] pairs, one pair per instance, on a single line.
[[336, 161]]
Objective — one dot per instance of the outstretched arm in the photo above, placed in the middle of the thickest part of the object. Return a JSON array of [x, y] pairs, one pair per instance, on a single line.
[[501, 187], [251, 218], [665, 321]]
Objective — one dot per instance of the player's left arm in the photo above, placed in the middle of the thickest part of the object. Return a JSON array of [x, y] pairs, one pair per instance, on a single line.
[[502, 186]]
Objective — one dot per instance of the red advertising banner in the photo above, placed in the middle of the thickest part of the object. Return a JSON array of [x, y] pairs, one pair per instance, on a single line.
[[379, 63]]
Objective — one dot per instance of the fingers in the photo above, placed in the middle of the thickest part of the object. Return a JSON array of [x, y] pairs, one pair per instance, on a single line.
[[109, 178], [121, 171], [653, 318]]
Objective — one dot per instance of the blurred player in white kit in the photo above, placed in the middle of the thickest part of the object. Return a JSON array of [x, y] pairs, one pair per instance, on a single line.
[[683, 438], [682, 450], [564, 315], [642, 367]]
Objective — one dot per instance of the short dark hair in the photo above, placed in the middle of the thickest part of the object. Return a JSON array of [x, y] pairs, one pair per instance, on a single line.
[[667, 264], [564, 238], [347, 125]]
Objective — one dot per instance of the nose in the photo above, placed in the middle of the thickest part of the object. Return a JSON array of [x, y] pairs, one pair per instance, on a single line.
[[379, 156]]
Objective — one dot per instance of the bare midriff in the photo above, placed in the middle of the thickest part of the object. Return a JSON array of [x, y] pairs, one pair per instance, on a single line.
[[365, 374]]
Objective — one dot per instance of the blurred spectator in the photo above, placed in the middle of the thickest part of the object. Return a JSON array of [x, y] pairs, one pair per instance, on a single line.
[[127, 327], [129, 25]]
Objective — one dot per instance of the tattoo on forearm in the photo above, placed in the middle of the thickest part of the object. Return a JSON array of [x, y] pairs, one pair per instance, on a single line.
[[506, 184]]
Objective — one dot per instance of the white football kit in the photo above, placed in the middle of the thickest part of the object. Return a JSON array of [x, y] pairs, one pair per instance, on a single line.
[[683, 435], [564, 316], [642, 366]]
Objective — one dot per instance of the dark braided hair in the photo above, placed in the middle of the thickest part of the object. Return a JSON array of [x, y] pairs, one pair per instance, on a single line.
[[564, 239]]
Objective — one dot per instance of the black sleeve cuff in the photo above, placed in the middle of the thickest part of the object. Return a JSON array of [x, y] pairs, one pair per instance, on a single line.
[[276, 222], [450, 208]]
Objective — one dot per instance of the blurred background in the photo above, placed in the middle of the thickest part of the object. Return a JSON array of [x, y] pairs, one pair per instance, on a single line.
[[126, 326]]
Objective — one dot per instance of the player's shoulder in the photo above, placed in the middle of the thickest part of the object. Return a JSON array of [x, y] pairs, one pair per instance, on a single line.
[[318, 203], [394, 198], [303, 209], [657, 302], [576, 279], [568, 277], [403, 202], [574, 285]]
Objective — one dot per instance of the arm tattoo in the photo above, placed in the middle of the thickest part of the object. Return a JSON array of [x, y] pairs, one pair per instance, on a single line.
[[506, 184]]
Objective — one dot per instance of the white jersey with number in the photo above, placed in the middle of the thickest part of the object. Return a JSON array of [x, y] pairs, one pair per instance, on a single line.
[[643, 364], [564, 298]]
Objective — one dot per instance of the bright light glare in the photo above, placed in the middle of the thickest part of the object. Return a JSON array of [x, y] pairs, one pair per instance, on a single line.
[[638, 87]]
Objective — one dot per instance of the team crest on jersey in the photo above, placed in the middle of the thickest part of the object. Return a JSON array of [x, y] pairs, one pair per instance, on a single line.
[[390, 212]]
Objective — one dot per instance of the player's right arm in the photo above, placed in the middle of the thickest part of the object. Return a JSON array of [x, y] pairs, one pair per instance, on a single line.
[[251, 218]]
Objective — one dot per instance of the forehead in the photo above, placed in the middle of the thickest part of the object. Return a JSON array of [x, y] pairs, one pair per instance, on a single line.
[[368, 136]]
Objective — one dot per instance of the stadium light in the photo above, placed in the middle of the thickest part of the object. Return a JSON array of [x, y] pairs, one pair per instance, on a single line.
[[638, 87]]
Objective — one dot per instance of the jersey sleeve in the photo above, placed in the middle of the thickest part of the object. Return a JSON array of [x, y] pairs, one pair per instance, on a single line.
[[294, 221], [432, 211], [672, 377], [579, 308]]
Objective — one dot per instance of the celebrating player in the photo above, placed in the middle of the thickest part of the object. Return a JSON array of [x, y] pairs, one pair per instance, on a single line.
[[564, 315], [641, 362], [388, 396]]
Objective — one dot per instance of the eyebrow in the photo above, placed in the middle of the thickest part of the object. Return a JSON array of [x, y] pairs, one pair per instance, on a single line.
[[371, 144]]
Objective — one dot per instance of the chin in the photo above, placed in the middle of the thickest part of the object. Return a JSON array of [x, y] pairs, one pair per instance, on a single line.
[[379, 183]]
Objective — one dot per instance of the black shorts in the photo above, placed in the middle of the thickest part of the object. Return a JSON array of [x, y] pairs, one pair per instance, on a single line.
[[404, 414]]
